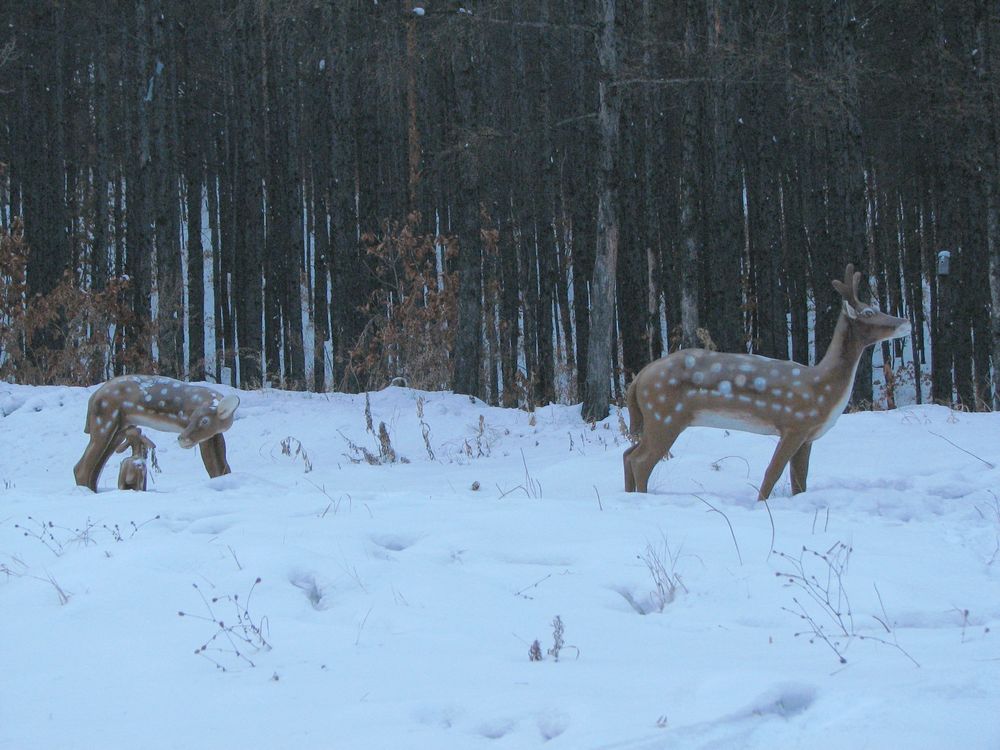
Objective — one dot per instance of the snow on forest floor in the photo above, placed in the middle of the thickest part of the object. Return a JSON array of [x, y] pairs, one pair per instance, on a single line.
[[398, 603]]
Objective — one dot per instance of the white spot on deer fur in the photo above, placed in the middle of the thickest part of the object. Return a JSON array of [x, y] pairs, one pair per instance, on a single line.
[[789, 394], [661, 398], [649, 405], [796, 372], [776, 392], [725, 387], [741, 380], [698, 377], [799, 415], [806, 395], [760, 384], [759, 404], [820, 399], [100, 421], [788, 409], [162, 403], [745, 399], [776, 407], [689, 361], [679, 407], [716, 367], [666, 420], [128, 404], [746, 367], [114, 414], [813, 413], [672, 381], [690, 392], [774, 372], [826, 387], [796, 383], [148, 398], [104, 403]]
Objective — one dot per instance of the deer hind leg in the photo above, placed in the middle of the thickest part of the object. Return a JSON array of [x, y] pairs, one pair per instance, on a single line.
[[800, 468], [656, 441], [788, 446], [629, 476], [213, 454], [102, 444]]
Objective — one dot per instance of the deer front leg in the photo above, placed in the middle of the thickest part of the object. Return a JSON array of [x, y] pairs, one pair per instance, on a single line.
[[800, 468], [788, 445], [88, 469], [213, 454]]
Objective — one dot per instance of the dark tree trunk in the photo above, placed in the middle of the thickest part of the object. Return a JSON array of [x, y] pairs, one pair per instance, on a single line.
[[602, 303]]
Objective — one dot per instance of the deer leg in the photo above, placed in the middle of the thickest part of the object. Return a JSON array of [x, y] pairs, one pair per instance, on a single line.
[[629, 476], [788, 445], [654, 445], [213, 454], [88, 469], [800, 468]]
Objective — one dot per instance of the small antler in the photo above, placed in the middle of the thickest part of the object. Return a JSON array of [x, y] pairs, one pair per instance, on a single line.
[[848, 288]]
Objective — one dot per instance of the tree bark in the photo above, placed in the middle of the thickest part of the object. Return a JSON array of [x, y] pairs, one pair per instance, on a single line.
[[602, 303]]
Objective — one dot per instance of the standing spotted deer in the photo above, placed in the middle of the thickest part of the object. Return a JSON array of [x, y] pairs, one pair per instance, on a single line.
[[200, 414], [751, 393]]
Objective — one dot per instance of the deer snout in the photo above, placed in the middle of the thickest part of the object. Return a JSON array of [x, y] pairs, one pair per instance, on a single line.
[[185, 442]]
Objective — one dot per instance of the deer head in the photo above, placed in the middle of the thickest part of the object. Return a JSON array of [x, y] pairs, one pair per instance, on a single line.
[[133, 438], [868, 323], [208, 419]]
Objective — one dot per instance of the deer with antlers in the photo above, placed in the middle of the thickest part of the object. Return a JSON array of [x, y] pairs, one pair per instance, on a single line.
[[751, 393], [200, 414]]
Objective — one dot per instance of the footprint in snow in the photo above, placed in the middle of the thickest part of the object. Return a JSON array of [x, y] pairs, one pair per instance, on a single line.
[[497, 728], [552, 724], [306, 582], [393, 542]]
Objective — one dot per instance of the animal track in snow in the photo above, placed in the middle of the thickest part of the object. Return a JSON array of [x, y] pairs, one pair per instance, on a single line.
[[496, 728], [393, 542], [210, 525], [308, 585], [551, 725]]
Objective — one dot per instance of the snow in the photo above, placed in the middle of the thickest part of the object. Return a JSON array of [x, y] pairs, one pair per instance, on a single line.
[[399, 603]]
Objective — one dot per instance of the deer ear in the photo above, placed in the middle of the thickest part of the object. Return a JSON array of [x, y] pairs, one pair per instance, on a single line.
[[122, 447], [849, 310], [227, 406]]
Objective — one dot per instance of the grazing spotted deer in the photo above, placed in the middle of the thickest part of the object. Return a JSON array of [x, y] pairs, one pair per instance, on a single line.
[[747, 392], [198, 413], [133, 470]]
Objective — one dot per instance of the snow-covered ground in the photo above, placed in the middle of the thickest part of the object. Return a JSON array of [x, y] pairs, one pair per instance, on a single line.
[[399, 602]]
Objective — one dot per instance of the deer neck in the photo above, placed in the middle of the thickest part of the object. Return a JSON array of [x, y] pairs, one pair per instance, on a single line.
[[840, 362]]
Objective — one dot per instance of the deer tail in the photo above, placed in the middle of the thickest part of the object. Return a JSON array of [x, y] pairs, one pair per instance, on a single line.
[[634, 413]]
